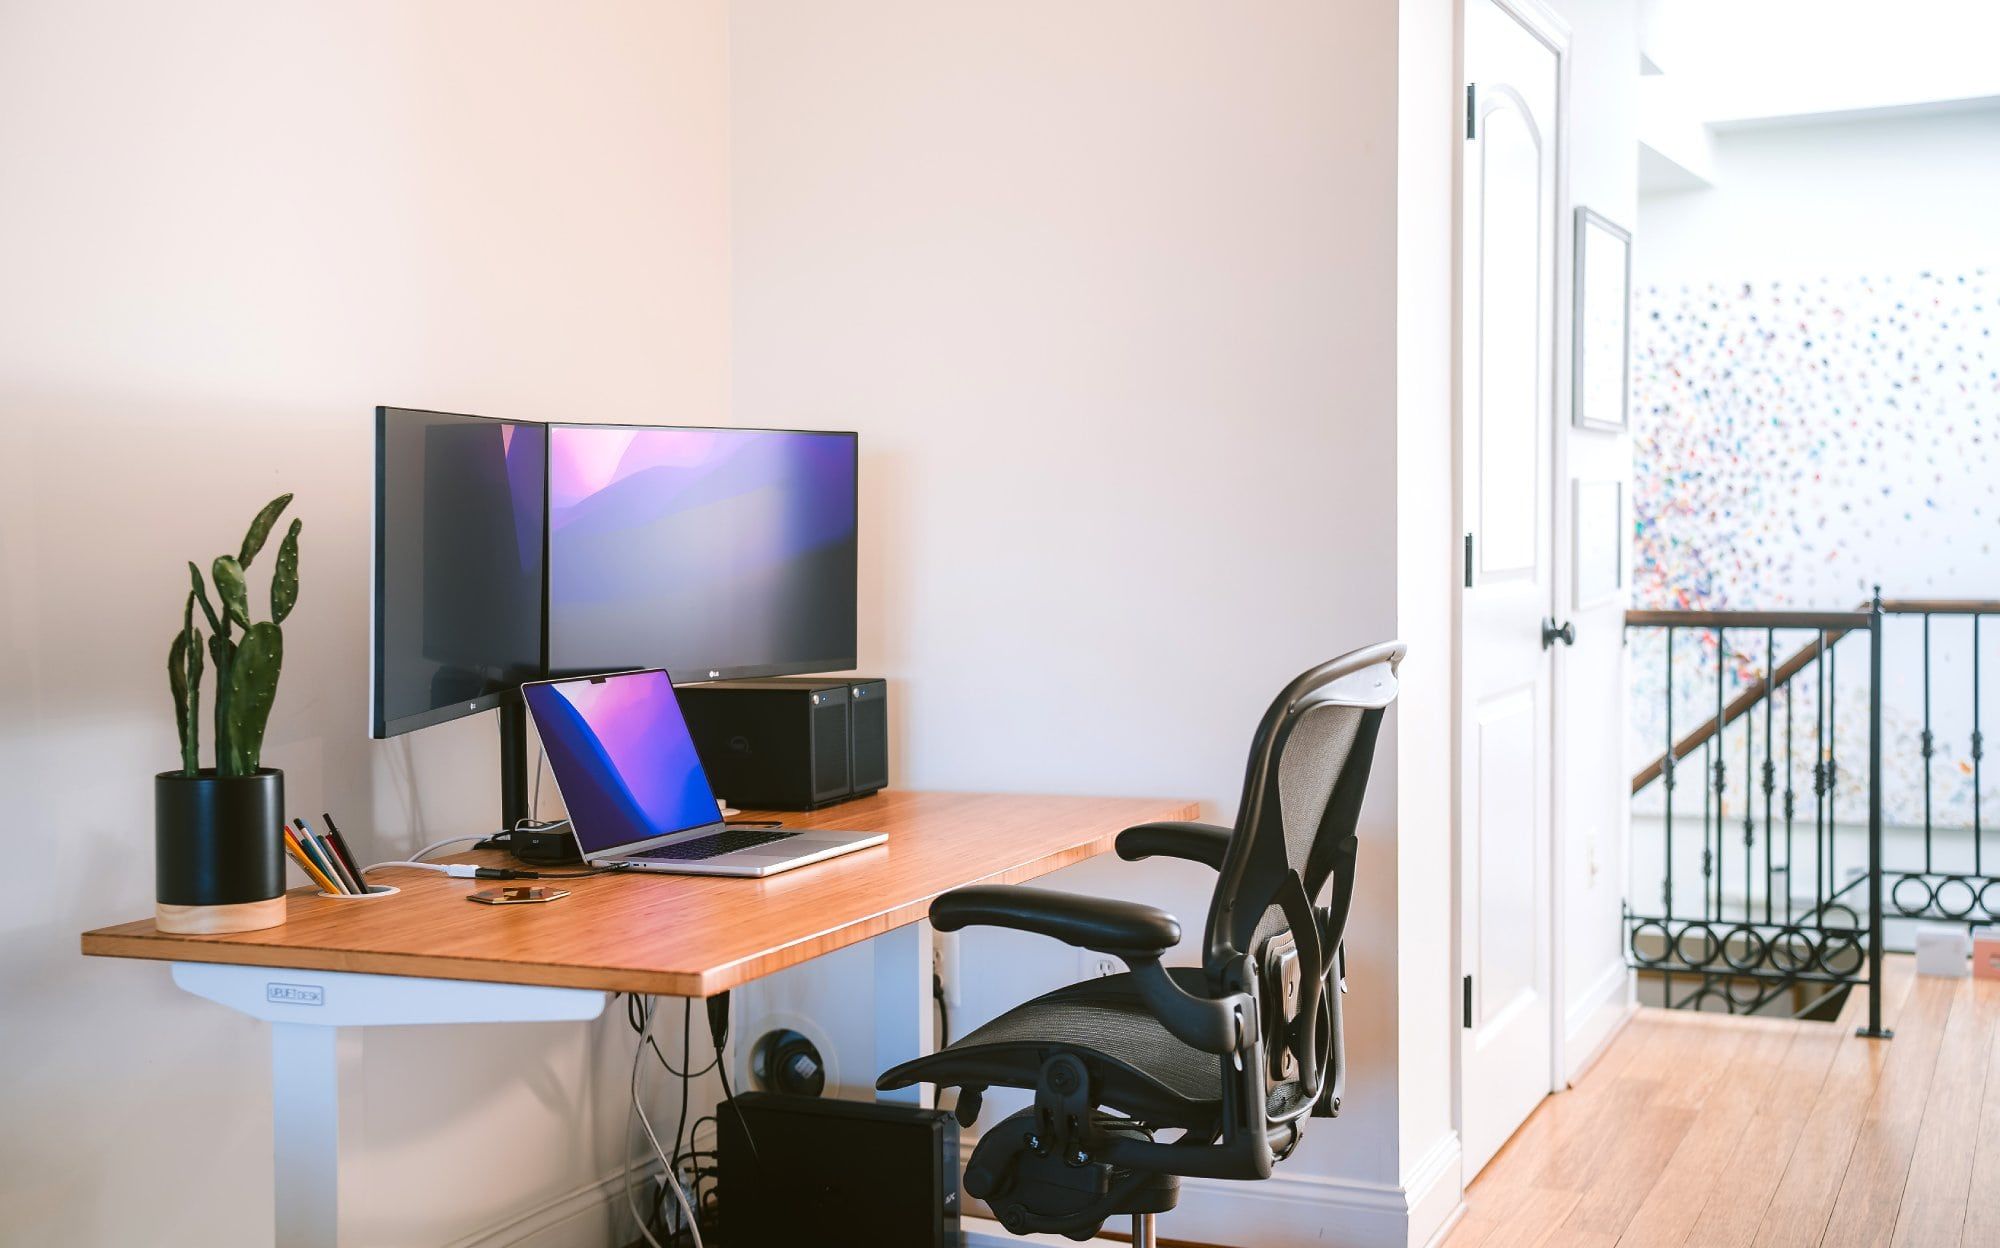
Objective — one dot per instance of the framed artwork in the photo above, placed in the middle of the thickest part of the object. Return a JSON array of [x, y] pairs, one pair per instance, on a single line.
[[1597, 525], [1601, 395]]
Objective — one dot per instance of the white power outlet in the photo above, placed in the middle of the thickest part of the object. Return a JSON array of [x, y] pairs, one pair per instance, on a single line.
[[1099, 965], [944, 960]]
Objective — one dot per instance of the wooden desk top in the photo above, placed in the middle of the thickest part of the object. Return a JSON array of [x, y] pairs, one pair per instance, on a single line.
[[675, 935]]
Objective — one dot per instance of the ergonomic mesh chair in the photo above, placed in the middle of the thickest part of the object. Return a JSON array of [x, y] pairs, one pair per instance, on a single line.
[[1235, 1053]]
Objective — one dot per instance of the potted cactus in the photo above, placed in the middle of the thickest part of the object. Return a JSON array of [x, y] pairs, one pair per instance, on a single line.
[[219, 858]]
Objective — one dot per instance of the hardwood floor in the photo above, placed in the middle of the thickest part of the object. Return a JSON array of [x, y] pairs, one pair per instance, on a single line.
[[1719, 1132]]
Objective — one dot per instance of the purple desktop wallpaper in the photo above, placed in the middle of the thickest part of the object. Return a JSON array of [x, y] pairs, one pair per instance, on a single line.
[[621, 754], [700, 550]]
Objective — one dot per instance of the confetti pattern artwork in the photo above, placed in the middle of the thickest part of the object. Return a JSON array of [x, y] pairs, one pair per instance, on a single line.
[[1797, 443]]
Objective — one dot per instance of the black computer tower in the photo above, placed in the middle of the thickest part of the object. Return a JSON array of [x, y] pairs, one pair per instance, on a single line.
[[794, 743], [835, 1174]]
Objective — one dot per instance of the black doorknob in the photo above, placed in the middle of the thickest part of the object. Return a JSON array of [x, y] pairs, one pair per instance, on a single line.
[[1552, 634]]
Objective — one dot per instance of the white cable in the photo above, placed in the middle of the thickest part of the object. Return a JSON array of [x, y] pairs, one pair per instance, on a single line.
[[456, 870], [463, 873], [645, 1033], [434, 846], [650, 1008]]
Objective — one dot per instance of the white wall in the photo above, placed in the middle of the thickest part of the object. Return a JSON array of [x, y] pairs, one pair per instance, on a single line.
[[227, 231], [1111, 293], [1594, 797], [1892, 194], [1428, 136]]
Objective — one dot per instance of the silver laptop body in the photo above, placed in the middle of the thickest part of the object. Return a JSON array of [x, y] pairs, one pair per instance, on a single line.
[[711, 848]]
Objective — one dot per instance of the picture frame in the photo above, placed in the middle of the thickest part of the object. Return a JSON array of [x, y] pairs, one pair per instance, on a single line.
[[1597, 532], [1601, 390]]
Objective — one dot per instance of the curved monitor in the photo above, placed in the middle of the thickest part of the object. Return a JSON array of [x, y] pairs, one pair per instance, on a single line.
[[711, 553], [458, 565]]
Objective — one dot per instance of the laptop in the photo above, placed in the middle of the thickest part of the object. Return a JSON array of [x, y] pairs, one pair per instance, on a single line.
[[626, 767]]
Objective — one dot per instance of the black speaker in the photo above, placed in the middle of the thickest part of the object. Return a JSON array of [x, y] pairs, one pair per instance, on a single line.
[[794, 743], [797, 1170]]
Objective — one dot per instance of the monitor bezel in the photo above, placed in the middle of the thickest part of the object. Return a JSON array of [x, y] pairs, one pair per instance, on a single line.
[[381, 729], [757, 671]]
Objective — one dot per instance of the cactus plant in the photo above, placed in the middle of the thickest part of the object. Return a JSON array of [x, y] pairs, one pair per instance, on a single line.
[[246, 671], [184, 674]]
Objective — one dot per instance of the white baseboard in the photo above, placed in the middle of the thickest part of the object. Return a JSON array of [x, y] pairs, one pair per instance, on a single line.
[[1594, 1022], [588, 1216], [1295, 1211], [987, 1233], [591, 1215], [1283, 1211]]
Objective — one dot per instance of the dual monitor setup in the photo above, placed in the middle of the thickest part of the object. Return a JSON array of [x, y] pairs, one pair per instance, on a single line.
[[517, 563]]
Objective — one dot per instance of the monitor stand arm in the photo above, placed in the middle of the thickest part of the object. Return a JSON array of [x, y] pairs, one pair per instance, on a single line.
[[513, 761]]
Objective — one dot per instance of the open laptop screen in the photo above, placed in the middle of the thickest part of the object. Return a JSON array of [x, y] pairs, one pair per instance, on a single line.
[[621, 754]]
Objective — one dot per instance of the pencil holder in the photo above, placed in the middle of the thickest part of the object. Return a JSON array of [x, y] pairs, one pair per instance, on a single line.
[[218, 853]]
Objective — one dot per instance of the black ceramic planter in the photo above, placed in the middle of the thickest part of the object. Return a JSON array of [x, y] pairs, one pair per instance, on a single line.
[[218, 851]]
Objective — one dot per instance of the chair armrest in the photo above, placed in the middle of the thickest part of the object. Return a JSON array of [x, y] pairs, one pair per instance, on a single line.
[[1196, 842], [1096, 923], [1134, 933]]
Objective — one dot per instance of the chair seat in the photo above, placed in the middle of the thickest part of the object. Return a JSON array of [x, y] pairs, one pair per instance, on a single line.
[[1137, 1066]]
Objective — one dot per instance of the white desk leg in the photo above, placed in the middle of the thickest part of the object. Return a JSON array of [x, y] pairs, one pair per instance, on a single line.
[[905, 1017], [316, 1019], [306, 1126]]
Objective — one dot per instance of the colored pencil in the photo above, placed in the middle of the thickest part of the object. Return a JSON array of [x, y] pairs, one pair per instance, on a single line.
[[323, 856], [339, 844], [298, 854]]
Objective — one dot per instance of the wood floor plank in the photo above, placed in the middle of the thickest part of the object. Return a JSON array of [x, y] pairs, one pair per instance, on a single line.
[[1982, 1206], [1692, 1175], [1716, 1132], [1735, 1208], [1934, 1204], [1531, 1157], [1643, 1124], [1798, 1212], [1512, 1217], [1878, 1169]]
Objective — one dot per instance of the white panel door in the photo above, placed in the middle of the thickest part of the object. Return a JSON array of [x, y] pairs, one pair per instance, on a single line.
[[1507, 474]]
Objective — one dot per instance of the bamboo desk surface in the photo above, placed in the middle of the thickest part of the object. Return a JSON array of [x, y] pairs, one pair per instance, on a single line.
[[675, 935]]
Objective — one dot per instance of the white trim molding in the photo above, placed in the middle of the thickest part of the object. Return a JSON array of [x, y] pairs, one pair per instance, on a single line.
[[1293, 1211], [1594, 1022], [1284, 1211]]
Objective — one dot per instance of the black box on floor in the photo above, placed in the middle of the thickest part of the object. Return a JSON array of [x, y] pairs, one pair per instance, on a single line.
[[793, 743], [836, 1174]]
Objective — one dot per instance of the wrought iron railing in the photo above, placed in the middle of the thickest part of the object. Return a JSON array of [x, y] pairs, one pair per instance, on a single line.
[[1959, 879], [1760, 938]]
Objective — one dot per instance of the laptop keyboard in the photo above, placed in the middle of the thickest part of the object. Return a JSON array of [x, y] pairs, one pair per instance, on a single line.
[[715, 845]]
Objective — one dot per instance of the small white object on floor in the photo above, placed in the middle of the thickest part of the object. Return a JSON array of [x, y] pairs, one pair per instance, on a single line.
[[1943, 951]]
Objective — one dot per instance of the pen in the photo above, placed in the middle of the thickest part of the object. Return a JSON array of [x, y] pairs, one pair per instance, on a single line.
[[339, 844], [298, 854], [323, 856]]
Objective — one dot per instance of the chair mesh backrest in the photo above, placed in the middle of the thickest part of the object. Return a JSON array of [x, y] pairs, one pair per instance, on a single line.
[[1308, 768], [1310, 762]]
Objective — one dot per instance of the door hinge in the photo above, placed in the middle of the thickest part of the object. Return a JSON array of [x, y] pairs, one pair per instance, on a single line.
[[1468, 561], [1471, 110], [1468, 1002]]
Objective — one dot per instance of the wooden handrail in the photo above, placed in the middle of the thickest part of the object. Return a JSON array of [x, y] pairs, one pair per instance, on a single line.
[[1941, 606], [1749, 619]]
